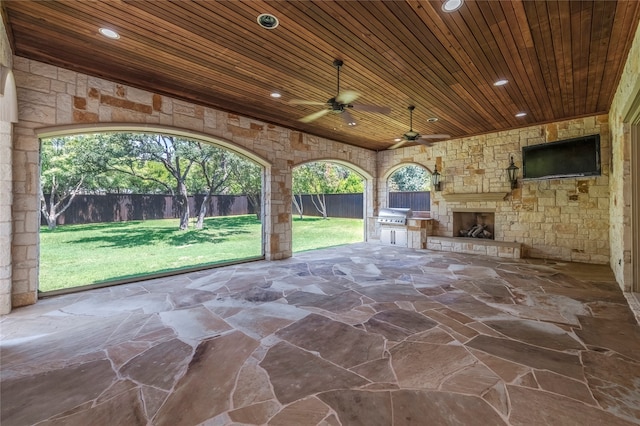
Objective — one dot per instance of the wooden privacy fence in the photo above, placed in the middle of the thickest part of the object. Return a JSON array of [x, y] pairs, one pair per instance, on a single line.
[[338, 205], [123, 207], [418, 201], [96, 208], [351, 205]]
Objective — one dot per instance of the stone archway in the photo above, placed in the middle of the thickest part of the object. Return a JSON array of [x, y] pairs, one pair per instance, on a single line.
[[62, 99], [367, 204], [142, 209], [368, 194], [396, 169]]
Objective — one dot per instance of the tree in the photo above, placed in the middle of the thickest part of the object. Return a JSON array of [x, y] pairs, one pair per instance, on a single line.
[[131, 154], [116, 182], [144, 163], [309, 178], [68, 167], [214, 172], [298, 203], [316, 177], [352, 184], [298, 188], [247, 180], [410, 178]]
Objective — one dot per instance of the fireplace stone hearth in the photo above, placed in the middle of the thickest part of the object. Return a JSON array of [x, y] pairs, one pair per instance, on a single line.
[[507, 250]]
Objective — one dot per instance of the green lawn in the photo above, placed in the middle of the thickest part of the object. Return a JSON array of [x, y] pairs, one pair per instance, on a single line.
[[311, 233], [76, 255]]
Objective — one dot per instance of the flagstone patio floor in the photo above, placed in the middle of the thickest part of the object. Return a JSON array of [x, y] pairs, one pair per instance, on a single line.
[[356, 335]]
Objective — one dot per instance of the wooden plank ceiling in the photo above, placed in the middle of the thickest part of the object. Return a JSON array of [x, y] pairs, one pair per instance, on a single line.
[[563, 59]]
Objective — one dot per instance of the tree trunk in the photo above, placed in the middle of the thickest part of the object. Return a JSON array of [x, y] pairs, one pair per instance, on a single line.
[[203, 211], [254, 200], [52, 221], [324, 207], [54, 211], [321, 205], [43, 209], [298, 205], [183, 202]]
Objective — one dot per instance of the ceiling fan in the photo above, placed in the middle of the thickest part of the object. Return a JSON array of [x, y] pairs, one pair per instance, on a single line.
[[413, 136], [340, 104]]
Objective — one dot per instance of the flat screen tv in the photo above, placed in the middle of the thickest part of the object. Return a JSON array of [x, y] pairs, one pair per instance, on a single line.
[[568, 158]]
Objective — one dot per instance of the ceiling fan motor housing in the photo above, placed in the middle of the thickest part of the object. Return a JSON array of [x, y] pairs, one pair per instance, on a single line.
[[336, 106], [411, 135]]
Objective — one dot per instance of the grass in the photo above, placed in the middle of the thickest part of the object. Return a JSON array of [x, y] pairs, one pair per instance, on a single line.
[[77, 255], [310, 233]]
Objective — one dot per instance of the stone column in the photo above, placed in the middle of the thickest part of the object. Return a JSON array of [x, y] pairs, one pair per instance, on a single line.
[[277, 205], [6, 230], [26, 216]]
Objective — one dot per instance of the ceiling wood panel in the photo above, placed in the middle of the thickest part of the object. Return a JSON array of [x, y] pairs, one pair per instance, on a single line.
[[562, 58], [513, 44], [535, 95]]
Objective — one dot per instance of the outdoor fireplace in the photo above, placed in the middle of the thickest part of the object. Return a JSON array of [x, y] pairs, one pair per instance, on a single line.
[[474, 224]]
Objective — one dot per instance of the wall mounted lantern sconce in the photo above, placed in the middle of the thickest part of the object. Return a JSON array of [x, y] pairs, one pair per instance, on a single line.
[[512, 172], [435, 178]]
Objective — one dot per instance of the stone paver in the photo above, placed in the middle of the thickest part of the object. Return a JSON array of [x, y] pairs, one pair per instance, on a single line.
[[369, 335]]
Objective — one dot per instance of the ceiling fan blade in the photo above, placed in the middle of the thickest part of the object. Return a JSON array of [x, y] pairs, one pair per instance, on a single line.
[[398, 145], [303, 102], [309, 118], [348, 118], [347, 97], [371, 108], [434, 136]]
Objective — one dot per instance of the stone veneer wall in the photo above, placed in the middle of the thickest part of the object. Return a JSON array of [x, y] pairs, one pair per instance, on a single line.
[[6, 227], [624, 101], [563, 219], [50, 96], [6, 195]]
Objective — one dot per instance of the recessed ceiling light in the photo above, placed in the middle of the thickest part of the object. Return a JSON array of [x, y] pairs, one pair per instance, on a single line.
[[276, 95], [268, 21], [451, 5], [501, 82], [397, 139], [432, 119], [353, 123], [109, 33], [521, 114]]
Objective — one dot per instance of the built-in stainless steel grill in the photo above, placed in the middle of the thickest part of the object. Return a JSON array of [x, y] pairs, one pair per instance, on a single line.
[[394, 216]]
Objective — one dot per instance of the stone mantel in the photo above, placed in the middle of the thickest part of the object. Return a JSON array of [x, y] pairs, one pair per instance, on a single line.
[[475, 196]]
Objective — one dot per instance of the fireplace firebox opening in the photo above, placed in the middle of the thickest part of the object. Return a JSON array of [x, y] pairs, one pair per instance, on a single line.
[[474, 224]]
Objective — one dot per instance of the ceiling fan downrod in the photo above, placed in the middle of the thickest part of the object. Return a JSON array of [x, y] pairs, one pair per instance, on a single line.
[[336, 106], [338, 63], [411, 108]]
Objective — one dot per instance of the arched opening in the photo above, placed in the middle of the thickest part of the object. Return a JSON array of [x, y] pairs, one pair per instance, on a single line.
[[118, 207], [8, 96], [328, 205], [408, 186]]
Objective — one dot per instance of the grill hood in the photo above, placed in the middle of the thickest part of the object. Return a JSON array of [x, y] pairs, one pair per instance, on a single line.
[[394, 216]]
